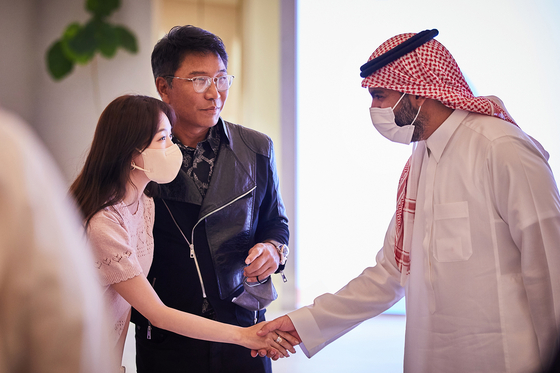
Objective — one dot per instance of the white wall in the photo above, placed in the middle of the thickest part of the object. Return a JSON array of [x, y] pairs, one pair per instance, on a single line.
[[17, 64], [65, 113]]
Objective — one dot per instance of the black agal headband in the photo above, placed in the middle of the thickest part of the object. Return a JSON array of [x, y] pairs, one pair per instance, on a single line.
[[400, 50]]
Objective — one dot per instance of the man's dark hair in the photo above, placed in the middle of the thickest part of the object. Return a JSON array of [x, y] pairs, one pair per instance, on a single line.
[[170, 51]]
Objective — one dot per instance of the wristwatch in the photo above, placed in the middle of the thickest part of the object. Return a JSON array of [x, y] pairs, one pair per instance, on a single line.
[[284, 251]]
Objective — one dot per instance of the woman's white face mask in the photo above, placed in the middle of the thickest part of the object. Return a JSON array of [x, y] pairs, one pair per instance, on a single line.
[[161, 165], [383, 120]]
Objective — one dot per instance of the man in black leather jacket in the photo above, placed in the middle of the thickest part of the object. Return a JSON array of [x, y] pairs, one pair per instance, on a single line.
[[221, 219]]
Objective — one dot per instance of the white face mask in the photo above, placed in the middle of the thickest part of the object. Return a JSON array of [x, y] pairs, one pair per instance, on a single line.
[[383, 120], [161, 165]]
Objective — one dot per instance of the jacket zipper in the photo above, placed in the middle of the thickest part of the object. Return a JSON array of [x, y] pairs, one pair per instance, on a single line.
[[191, 243]]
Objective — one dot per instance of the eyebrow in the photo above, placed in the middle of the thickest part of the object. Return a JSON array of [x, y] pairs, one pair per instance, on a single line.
[[205, 72], [160, 130]]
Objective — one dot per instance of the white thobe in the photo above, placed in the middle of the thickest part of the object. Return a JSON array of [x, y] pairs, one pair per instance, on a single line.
[[483, 294]]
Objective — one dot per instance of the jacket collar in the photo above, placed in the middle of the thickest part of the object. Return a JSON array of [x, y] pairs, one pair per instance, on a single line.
[[233, 174], [232, 178]]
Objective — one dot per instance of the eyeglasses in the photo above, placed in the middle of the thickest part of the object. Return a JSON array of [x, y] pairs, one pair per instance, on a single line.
[[202, 83]]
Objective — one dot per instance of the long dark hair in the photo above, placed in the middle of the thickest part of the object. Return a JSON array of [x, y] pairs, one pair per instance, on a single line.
[[126, 126]]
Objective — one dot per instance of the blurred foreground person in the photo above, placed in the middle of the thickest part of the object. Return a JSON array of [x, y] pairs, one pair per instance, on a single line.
[[51, 308]]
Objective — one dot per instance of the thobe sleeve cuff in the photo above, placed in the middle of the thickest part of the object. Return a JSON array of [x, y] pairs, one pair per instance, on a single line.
[[312, 340]]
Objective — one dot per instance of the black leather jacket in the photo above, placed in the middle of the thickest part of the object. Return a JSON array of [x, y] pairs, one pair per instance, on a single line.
[[242, 206]]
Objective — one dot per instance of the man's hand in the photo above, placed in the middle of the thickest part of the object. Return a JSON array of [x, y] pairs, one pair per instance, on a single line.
[[279, 325], [262, 261], [275, 344]]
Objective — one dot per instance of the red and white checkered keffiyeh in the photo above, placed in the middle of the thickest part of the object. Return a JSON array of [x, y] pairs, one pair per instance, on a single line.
[[430, 71], [404, 206]]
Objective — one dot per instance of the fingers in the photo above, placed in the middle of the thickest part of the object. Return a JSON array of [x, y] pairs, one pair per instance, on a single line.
[[282, 323], [263, 272], [268, 327], [254, 253], [274, 354], [271, 353], [295, 335], [280, 344], [262, 261], [264, 352], [289, 341], [284, 340]]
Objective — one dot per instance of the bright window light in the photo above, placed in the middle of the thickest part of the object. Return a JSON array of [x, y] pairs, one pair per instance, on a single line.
[[347, 172]]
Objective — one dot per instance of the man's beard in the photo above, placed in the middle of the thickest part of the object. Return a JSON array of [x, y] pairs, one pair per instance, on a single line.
[[405, 115]]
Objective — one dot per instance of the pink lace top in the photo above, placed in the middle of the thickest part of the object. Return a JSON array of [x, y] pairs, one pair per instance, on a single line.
[[123, 248]]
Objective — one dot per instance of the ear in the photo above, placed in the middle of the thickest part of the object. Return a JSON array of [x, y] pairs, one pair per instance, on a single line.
[[163, 89], [417, 101]]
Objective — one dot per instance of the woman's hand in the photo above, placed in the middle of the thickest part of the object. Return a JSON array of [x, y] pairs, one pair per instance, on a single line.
[[277, 344]]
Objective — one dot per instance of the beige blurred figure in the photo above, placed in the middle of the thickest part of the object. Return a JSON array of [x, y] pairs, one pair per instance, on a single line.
[[51, 307]]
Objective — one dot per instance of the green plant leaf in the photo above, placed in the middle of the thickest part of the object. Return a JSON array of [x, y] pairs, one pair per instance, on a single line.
[[78, 43], [102, 8], [105, 37], [126, 39], [58, 64]]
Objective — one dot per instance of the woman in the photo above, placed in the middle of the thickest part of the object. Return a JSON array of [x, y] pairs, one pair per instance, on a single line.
[[132, 147]]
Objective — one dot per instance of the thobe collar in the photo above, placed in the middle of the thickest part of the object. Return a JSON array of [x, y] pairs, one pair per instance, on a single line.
[[438, 141]]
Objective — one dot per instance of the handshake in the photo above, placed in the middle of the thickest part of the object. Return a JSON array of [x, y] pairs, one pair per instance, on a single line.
[[274, 339]]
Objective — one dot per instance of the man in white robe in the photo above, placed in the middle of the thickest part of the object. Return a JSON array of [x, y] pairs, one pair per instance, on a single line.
[[475, 242]]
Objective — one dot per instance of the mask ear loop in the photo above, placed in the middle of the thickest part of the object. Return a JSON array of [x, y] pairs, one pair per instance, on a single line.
[[133, 165], [398, 101], [418, 113]]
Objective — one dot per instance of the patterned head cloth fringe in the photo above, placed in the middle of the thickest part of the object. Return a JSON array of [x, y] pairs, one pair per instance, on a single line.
[[429, 71]]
